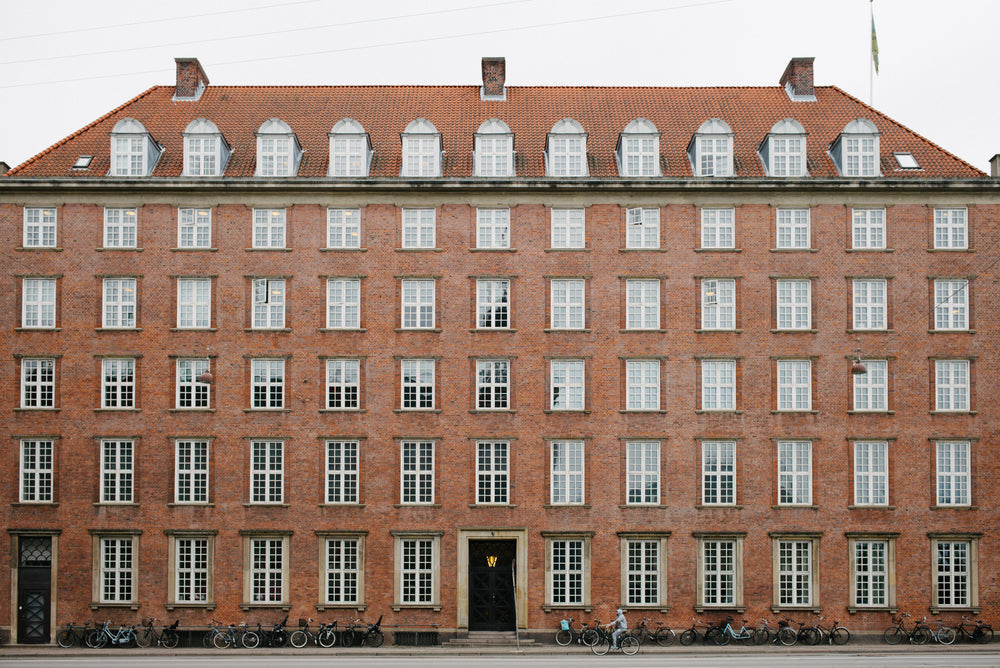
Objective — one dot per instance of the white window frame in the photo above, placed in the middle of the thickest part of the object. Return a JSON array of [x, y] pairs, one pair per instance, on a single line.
[[416, 472], [718, 385], [40, 227], [872, 559], [794, 304], [954, 572], [951, 229], [718, 304], [569, 228], [567, 155], [868, 229], [417, 384], [952, 386], [642, 465], [567, 378], [568, 298], [419, 228], [38, 303], [343, 303], [567, 581], [343, 228], [276, 155], [642, 298], [492, 228], [951, 304], [192, 394], [194, 227], [342, 572], [117, 471], [493, 303], [268, 303], [793, 229], [120, 227], [718, 229], [267, 384], [869, 297], [492, 473], [794, 473], [192, 575], [493, 384], [640, 155], [871, 389], [713, 155], [953, 473], [642, 228], [871, 473], [643, 569], [343, 384], [117, 566], [194, 303], [720, 572], [421, 154], [191, 471], [119, 303], [795, 562], [118, 383], [417, 308], [418, 569], [342, 471], [267, 472], [787, 155], [794, 385], [494, 154], [349, 155], [642, 385], [38, 382], [567, 473], [861, 155], [267, 573], [270, 228], [718, 473], [36, 479], [202, 154]]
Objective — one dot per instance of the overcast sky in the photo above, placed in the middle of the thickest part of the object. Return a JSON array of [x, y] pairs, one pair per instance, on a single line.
[[64, 63]]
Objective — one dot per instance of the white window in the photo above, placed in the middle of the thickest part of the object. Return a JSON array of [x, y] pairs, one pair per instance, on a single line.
[[118, 383], [643, 307], [418, 303], [568, 303], [38, 383], [117, 471], [267, 471], [417, 571], [871, 473], [417, 472], [868, 228], [343, 228], [419, 228], [951, 384], [492, 228], [794, 303], [268, 303], [350, 149], [343, 571], [638, 150], [194, 228], [953, 573], [421, 149], [343, 384], [343, 303], [194, 303], [642, 228], [119, 303], [718, 473], [417, 384], [787, 155], [568, 228], [39, 227], [794, 385], [492, 472], [567, 381], [719, 564], [133, 150], [642, 383], [493, 303], [120, 228], [267, 383], [718, 385], [871, 389], [871, 573], [38, 303], [191, 471], [191, 392], [718, 303], [951, 229], [567, 572], [567, 473], [117, 559], [795, 569], [794, 473], [278, 150], [566, 149], [269, 228], [341, 471], [951, 304], [712, 149], [36, 471], [953, 475], [856, 149], [201, 156], [492, 384], [267, 570], [869, 297], [642, 572], [717, 228], [793, 229], [191, 569], [642, 461], [494, 151]]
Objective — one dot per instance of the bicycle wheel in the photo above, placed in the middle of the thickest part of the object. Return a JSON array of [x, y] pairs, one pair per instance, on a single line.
[[629, 645], [840, 635], [96, 639], [66, 638], [638, 633], [251, 640], [348, 637], [787, 636], [761, 636], [279, 638], [893, 635], [129, 638], [170, 638], [589, 637], [564, 637], [688, 637], [713, 636], [602, 646], [298, 638], [145, 637], [921, 636], [946, 635], [721, 637], [207, 639], [375, 639], [664, 637], [810, 635], [220, 641], [326, 638], [983, 634]]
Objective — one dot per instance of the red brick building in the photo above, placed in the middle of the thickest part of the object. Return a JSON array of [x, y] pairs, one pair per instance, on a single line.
[[486, 357]]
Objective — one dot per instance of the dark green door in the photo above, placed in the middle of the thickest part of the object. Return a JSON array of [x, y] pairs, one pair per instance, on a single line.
[[491, 585], [34, 589]]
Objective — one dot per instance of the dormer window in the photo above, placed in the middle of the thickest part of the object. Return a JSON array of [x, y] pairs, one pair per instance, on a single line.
[[350, 149], [133, 151], [494, 151], [278, 150], [566, 149], [783, 151], [205, 151], [711, 149], [856, 150], [638, 150], [421, 149]]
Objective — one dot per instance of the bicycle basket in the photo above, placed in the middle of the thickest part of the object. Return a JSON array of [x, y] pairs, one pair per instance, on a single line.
[[564, 625]]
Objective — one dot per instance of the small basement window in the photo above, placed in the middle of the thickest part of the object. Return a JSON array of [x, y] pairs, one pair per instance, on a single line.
[[906, 161], [83, 162]]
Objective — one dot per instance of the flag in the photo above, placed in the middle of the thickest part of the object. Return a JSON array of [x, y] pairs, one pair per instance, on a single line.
[[874, 45]]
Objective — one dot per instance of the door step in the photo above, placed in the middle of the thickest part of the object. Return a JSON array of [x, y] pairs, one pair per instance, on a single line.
[[487, 639]]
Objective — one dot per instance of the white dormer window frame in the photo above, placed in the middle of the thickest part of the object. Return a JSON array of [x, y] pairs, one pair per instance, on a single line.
[[278, 150], [783, 150], [422, 151], [134, 152], [494, 149], [711, 149], [206, 152], [350, 150], [566, 150], [638, 150], [856, 151]]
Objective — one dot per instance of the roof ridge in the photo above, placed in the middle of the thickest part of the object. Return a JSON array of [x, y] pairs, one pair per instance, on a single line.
[[35, 158]]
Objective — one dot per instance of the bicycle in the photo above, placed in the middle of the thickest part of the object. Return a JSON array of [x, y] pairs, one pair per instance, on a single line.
[[918, 635], [944, 635], [301, 636], [123, 636], [835, 635], [73, 635], [627, 644], [566, 634], [662, 636], [275, 637], [689, 636], [372, 636], [168, 638], [727, 633], [981, 633]]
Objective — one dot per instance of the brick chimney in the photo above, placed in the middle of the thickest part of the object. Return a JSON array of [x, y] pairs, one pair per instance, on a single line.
[[494, 74], [191, 79], [798, 79]]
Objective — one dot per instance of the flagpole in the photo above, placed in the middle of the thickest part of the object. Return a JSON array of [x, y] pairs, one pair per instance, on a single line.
[[871, 57]]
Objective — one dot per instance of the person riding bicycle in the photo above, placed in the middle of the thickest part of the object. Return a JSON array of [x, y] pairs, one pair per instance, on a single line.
[[621, 630]]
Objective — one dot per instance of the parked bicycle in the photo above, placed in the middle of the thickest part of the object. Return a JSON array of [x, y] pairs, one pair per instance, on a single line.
[[662, 635], [123, 636], [275, 637], [566, 635], [73, 635], [327, 635], [944, 635], [834, 635], [918, 635], [727, 633], [301, 636], [627, 644], [146, 635], [974, 630], [372, 636], [705, 631], [765, 633]]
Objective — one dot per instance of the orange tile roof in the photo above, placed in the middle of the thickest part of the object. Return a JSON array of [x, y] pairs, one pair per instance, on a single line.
[[457, 111]]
